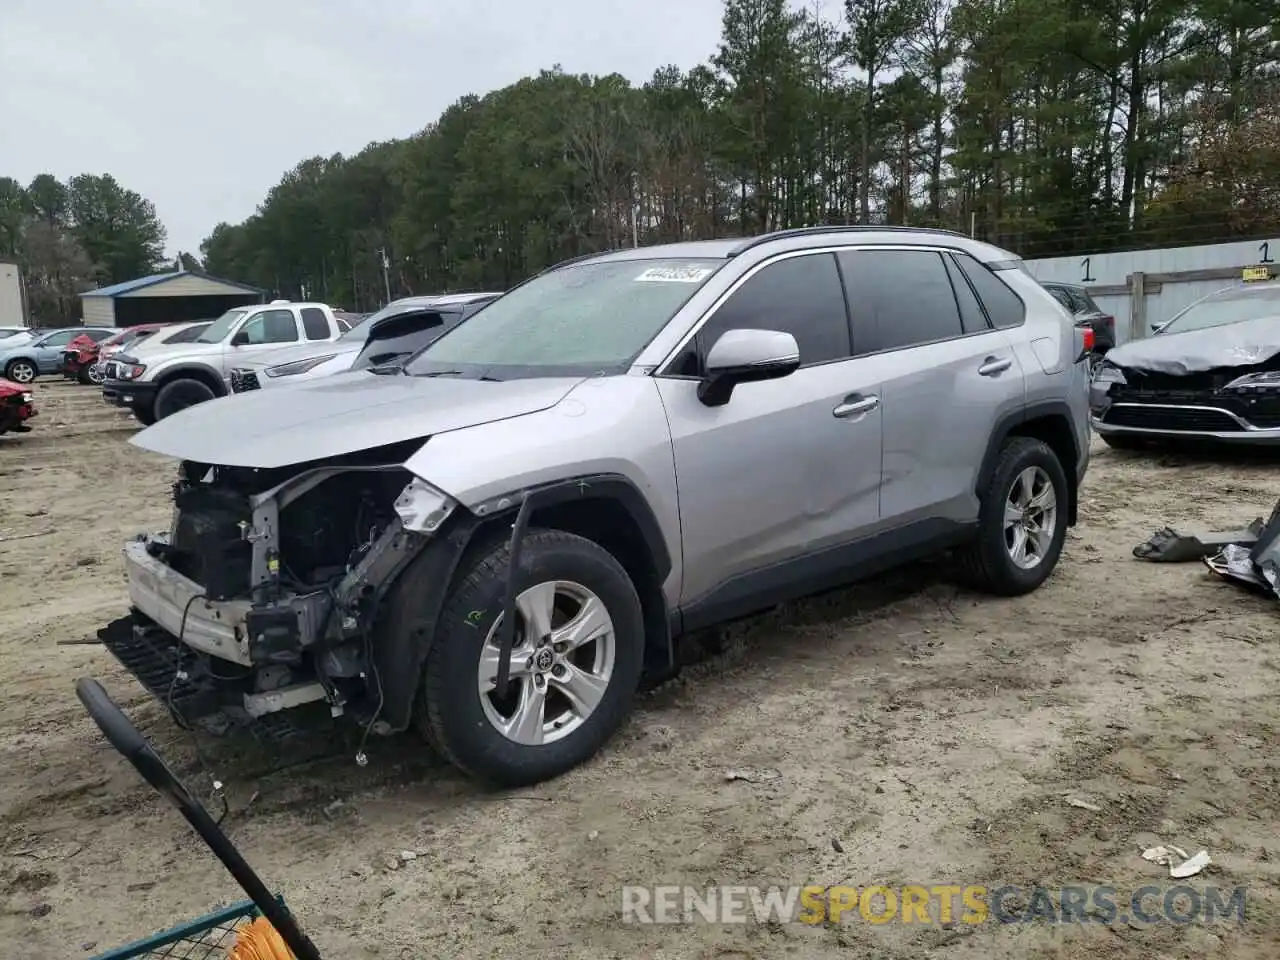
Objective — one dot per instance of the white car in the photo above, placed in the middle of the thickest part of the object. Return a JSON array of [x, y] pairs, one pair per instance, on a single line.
[[322, 360]]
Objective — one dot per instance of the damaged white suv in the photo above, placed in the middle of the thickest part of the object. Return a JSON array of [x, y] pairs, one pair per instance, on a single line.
[[498, 542]]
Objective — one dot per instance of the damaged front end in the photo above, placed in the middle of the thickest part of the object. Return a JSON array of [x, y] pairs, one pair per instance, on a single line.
[[1227, 402], [266, 592]]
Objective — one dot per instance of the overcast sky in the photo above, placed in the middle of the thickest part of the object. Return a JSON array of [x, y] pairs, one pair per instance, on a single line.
[[201, 106]]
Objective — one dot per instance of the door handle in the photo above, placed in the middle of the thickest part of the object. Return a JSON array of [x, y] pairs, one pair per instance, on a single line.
[[993, 365], [852, 407]]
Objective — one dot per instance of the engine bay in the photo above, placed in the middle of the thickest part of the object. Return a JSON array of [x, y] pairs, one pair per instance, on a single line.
[[303, 556]]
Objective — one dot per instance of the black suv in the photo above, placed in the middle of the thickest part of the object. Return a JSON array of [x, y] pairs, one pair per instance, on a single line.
[[1087, 313]]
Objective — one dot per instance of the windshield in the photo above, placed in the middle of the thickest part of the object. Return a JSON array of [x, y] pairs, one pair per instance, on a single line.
[[1227, 306], [577, 320], [218, 330]]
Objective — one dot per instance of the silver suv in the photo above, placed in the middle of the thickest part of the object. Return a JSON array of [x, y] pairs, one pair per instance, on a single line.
[[499, 542]]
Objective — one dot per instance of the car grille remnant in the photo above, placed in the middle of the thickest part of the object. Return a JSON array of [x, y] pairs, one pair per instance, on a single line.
[[1189, 419]]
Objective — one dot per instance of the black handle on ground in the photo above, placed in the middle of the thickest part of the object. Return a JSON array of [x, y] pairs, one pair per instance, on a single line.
[[133, 746]]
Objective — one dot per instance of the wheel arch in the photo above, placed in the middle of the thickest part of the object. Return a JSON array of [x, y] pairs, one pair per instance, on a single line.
[[193, 371], [606, 509], [1048, 421]]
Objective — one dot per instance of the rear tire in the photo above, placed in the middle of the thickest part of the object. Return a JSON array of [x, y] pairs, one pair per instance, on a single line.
[[1026, 466], [179, 395], [462, 723]]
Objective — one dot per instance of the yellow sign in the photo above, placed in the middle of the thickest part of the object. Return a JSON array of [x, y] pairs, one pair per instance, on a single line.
[[1253, 274]]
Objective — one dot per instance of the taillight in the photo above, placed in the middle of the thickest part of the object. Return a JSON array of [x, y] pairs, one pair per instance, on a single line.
[[1089, 339]]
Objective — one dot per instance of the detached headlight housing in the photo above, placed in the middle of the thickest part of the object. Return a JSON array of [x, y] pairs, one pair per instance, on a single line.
[[26, 398], [1267, 380], [295, 367], [1108, 373], [422, 508]]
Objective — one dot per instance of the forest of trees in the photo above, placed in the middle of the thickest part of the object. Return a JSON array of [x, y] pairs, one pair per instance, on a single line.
[[74, 236], [1048, 126]]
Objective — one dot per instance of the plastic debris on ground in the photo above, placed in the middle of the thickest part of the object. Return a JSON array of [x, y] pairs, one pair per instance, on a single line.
[[1248, 556], [1175, 858]]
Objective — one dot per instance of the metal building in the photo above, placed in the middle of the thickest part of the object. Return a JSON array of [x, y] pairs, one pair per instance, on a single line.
[[1145, 288], [165, 298], [12, 313]]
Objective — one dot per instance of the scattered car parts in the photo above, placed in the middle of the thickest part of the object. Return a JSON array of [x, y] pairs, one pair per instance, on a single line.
[[1250, 556]]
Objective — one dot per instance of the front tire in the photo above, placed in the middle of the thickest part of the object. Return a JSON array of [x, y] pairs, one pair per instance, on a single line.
[[1022, 521], [180, 394], [575, 665]]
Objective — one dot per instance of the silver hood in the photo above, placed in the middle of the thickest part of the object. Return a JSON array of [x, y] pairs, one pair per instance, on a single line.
[[341, 414], [1241, 344]]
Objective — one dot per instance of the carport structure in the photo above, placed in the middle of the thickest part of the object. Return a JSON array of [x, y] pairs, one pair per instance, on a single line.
[[166, 298]]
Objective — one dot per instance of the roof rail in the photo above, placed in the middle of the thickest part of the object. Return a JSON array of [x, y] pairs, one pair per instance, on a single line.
[[578, 259], [751, 242]]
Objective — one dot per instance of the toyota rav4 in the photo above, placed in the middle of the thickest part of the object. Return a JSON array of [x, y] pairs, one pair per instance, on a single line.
[[499, 543]]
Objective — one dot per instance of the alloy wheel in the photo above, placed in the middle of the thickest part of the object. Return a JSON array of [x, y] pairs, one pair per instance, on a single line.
[[561, 664], [20, 371], [1030, 518]]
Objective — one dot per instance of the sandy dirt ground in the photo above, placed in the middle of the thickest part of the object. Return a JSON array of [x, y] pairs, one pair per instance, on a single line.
[[919, 733]]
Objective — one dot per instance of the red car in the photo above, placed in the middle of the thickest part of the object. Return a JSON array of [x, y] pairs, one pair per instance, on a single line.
[[16, 407], [80, 357]]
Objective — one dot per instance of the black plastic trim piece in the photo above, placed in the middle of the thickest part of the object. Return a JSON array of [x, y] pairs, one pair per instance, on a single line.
[[401, 655], [599, 486], [846, 563]]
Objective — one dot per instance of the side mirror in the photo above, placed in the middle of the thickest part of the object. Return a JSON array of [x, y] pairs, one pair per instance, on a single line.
[[240, 339], [745, 356]]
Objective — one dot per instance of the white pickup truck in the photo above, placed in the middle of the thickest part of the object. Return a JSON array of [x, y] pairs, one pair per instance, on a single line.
[[158, 382]]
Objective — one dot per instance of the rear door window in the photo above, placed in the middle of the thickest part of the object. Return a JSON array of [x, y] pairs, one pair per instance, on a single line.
[[899, 298], [971, 316]]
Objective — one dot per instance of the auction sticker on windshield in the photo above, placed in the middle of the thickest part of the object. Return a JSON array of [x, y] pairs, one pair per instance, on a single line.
[[674, 275]]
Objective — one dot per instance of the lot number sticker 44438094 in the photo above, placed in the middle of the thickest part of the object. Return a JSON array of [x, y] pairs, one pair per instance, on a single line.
[[674, 275]]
